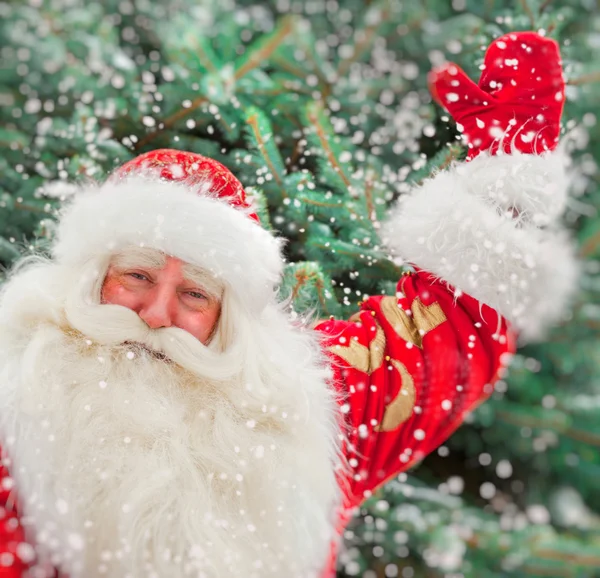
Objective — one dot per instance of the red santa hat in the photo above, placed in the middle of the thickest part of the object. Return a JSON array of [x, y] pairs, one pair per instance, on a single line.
[[184, 205]]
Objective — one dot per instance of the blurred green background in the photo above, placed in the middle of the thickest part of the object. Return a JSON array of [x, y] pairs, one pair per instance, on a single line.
[[321, 108]]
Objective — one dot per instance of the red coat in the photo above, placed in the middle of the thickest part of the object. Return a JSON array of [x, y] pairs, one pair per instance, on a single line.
[[408, 368]]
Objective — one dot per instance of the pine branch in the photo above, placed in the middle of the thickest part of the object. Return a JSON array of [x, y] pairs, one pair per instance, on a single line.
[[8, 251], [170, 121], [316, 118], [583, 436], [489, 7], [368, 35], [549, 423], [569, 558], [192, 49], [322, 205], [532, 570], [585, 79], [287, 66], [529, 421], [257, 57], [338, 255], [529, 13], [320, 286], [267, 46], [207, 56], [302, 279], [21, 206], [308, 43], [368, 192], [453, 154], [325, 205], [262, 137], [13, 138], [285, 89], [296, 152], [440, 161], [591, 246]]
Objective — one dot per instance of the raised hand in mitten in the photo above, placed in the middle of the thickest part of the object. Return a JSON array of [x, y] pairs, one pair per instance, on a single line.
[[518, 102]]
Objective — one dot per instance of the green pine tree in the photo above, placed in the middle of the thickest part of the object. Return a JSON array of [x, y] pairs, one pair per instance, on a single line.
[[321, 108]]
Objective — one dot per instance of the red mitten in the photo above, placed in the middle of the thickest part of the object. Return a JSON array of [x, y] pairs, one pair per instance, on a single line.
[[518, 102]]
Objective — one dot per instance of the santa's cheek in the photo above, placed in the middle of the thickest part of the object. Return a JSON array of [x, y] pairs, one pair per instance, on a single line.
[[199, 328], [208, 327], [114, 292], [193, 328]]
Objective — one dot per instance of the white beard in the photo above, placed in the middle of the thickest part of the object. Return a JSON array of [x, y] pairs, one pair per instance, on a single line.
[[131, 467]]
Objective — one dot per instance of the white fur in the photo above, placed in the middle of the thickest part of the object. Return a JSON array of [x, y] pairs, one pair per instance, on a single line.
[[138, 467], [175, 219], [535, 185], [459, 225]]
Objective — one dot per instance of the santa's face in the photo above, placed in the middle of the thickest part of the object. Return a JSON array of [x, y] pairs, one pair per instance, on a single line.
[[165, 292]]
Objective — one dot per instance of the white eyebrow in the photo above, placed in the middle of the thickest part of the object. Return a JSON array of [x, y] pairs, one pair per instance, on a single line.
[[139, 257], [204, 279], [145, 257]]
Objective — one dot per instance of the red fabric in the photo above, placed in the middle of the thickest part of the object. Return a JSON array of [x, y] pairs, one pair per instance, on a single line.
[[518, 101], [448, 351], [15, 553], [193, 170]]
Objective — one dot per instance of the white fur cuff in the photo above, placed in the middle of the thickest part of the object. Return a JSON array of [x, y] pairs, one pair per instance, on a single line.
[[452, 228], [534, 185]]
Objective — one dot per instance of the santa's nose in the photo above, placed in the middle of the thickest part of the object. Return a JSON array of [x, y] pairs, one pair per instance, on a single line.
[[157, 313]]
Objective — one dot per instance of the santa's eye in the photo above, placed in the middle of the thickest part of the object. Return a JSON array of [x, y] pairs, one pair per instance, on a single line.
[[196, 295], [139, 276]]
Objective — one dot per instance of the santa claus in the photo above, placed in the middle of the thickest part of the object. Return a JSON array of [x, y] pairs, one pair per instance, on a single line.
[[163, 415]]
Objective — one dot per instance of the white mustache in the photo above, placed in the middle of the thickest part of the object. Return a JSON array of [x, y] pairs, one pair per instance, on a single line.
[[109, 324]]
